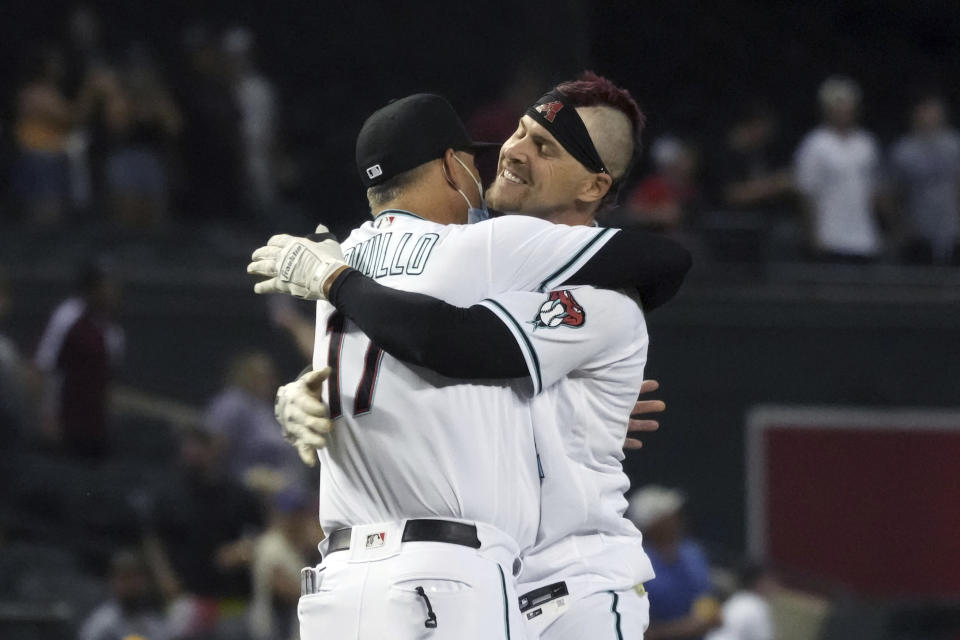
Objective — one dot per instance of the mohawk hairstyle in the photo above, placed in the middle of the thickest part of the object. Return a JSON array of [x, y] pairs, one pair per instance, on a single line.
[[591, 90]]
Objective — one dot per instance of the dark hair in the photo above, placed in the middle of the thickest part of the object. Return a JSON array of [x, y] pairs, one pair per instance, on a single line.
[[592, 90], [749, 573], [93, 272], [756, 109], [393, 188], [127, 561]]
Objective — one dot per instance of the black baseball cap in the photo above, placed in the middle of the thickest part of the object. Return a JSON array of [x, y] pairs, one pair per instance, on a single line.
[[407, 133]]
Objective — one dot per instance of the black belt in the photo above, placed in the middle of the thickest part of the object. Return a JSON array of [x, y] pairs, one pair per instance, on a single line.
[[421, 530]]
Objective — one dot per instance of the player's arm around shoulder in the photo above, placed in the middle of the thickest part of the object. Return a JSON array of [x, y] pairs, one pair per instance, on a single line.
[[523, 253], [565, 330]]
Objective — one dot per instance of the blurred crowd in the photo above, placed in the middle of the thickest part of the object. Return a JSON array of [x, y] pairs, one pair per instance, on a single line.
[[837, 189], [156, 522], [179, 524], [121, 133], [833, 196], [103, 130], [170, 526]]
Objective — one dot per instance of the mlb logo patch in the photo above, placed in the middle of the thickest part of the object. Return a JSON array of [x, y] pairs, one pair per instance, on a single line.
[[375, 540], [374, 171]]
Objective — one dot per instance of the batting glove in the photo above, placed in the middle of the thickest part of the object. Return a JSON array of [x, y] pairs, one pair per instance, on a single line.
[[303, 415], [298, 266]]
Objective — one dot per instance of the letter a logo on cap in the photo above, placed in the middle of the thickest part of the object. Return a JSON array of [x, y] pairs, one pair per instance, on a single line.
[[550, 110], [374, 171]]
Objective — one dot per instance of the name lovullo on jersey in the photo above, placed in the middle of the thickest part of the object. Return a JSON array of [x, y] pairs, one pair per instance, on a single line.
[[386, 255]]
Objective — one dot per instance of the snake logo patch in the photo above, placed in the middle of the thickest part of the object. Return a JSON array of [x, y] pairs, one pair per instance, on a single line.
[[560, 309]]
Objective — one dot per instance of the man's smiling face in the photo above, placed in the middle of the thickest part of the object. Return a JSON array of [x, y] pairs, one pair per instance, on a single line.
[[535, 174]]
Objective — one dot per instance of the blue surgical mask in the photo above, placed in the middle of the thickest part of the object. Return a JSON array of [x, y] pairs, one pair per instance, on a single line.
[[477, 215], [474, 214]]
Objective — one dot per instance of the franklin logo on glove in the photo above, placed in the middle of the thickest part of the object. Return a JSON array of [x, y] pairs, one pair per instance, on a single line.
[[291, 261], [298, 266]]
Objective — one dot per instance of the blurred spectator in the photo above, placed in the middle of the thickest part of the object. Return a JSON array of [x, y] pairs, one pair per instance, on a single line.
[[288, 545], [925, 169], [241, 420], [836, 167], [132, 611], [663, 201], [84, 46], [211, 138], [84, 81], [142, 122], [300, 327], [753, 175], [681, 601], [12, 383], [44, 117], [746, 614], [78, 353], [256, 103], [200, 538]]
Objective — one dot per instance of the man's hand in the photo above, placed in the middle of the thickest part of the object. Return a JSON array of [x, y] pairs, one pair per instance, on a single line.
[[298, 266], [303, 414], [643, 407]]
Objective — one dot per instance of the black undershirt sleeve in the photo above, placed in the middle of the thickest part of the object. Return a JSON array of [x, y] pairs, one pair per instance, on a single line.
[[651, 263], [472, 343], [469, 343]]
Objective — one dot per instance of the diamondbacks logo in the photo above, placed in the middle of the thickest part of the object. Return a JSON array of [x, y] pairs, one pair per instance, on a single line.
[[375, 540], [560, 309], [549, 110]]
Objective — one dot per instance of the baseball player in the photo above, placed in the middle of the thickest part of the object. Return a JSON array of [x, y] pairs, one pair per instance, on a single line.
[[588, 348], [426, 484]]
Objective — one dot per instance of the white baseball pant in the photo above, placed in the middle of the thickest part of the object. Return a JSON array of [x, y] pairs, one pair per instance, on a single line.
[[382, 587]]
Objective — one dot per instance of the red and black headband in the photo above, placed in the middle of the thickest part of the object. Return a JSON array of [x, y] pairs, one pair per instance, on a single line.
[[562, 120]]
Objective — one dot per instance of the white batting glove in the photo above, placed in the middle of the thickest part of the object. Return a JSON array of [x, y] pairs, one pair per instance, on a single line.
[[298, 266], [303, 414]]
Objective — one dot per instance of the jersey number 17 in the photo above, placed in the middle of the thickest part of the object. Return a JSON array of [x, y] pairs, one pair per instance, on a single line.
[[363, 399]]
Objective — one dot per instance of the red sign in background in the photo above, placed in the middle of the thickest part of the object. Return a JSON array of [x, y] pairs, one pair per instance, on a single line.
[[877, 510]]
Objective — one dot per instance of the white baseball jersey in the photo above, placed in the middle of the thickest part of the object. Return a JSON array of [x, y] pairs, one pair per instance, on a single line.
[[408, 442], [586, 348], [838, 174]]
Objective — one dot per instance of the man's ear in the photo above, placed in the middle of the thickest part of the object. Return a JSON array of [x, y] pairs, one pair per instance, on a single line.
[[447, 166], [596, 187]]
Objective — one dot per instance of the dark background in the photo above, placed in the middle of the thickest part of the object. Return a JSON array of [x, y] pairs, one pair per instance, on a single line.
[[776, 331], [692, 66]]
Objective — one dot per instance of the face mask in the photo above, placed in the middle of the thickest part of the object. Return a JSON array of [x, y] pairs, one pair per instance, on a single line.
[[474, 214], [477, 215]]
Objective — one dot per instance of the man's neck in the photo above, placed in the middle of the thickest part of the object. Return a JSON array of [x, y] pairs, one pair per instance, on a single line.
[[429, 208], [574, 217]]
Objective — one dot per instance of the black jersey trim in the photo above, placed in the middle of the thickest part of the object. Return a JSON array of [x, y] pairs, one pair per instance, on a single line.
[[613, 609], [506, 609], [525, 344], [548, 281]]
